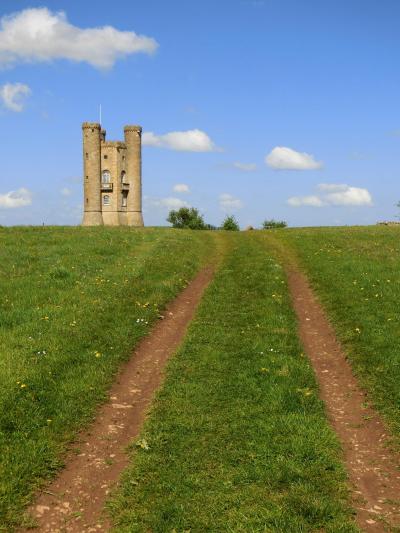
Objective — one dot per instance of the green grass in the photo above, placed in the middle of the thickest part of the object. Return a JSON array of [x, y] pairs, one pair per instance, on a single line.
[[73, 303], [356, 273], [237, 438]]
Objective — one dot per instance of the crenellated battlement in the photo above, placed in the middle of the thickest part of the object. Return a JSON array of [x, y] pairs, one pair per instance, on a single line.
[[133, 127], [91, 125]]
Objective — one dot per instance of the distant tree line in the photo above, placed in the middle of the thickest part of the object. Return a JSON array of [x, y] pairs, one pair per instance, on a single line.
[[190, 218], [273, 224]]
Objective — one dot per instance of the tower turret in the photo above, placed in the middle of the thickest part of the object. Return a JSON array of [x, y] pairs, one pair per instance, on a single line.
[[92, 174], [133, 141]]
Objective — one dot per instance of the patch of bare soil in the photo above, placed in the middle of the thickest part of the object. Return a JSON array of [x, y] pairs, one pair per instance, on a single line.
[[372, 466], [74, 502]]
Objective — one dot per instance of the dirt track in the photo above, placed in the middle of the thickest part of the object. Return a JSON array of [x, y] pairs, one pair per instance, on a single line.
[[74, 502], [373, 468]]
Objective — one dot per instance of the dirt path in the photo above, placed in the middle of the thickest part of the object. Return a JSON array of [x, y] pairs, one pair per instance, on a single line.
[[74, 502], [373, 468]]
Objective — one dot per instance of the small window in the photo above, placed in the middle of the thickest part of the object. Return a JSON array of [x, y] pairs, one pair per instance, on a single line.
[[105, 156], [123, 173], [87, 200], [106, 176], [123, 158], [87, 155], [124, 200], [106, 200], [87, 177]]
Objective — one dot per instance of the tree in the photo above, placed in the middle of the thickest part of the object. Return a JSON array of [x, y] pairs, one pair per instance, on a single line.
[[273, 224], [230, 223], [186, 217]]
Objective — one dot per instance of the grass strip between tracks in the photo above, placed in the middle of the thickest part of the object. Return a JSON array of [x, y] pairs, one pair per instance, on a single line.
[[237, 439]]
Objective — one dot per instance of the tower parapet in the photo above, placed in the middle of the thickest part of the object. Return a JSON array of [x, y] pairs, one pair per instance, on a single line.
[[92, 125]]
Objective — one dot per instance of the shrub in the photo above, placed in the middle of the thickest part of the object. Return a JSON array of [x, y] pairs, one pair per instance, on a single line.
[[272, 224], [230, 224], [186, 217]]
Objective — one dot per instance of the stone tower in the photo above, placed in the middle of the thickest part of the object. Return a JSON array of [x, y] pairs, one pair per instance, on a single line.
[[92, 174], [133, 143], [112, 177]]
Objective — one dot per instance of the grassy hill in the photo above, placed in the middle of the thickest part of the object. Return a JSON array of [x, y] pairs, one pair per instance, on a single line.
[[238, 439]]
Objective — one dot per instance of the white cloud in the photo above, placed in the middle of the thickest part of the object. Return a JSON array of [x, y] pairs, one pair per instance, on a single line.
[[245, 167], [65, 191], [13, 96], [312, 200], [228, 202], [184, 141], [169, 203], [181, 187], [283, 158], [345, 195], [334, 194], [19, 198], [39, 35]]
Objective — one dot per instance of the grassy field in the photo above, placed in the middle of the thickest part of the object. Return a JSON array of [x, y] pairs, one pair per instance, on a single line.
[[356, 272], [237, 440], [73, 303]]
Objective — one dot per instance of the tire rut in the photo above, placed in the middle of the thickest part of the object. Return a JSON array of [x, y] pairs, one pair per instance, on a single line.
[[373, 467], [74, 501]]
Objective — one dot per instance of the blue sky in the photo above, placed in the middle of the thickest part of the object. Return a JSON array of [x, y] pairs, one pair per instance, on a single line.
[[286, 109]]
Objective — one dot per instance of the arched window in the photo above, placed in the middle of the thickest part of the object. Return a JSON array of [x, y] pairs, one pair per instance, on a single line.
[[106, 176], [106, 200], [123, 174]]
